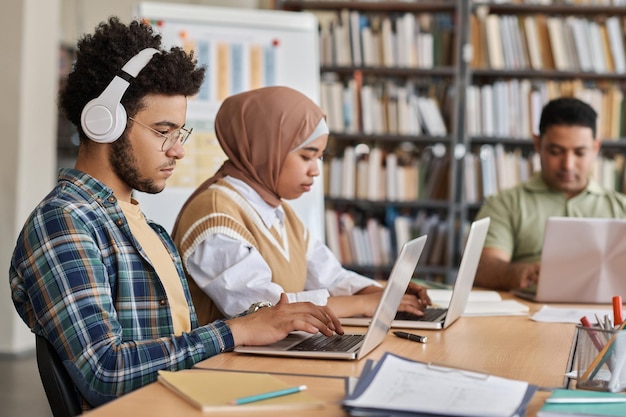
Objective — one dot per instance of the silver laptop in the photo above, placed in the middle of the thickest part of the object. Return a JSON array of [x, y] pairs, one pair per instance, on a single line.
[[441, 318], [355, 345], [582, 261]]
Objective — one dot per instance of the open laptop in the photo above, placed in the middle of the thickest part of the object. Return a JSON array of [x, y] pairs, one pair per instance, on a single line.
[[441, 318], [582, 261], [355, 345]]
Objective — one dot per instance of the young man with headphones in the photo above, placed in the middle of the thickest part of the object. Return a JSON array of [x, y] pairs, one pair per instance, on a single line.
[[104, 285]]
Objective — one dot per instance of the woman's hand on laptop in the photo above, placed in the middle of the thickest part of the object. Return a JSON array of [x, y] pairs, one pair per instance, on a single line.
[[269, 325], [420, 293], [415, 300], [364, 302]]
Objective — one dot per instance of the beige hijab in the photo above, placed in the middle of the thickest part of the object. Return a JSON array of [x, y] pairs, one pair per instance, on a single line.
[[257, 129]]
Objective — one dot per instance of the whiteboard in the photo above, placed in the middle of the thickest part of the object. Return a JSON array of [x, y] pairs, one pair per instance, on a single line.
[[287, 45]]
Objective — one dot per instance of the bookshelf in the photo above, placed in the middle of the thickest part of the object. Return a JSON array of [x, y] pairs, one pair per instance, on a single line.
[[394, 113], [573, 48], [501, 70]]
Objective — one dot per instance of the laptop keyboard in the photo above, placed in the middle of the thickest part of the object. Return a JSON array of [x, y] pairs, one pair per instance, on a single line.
[[430, 314], [334, 343]]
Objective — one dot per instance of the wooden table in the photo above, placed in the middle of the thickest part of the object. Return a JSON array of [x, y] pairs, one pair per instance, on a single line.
[[155, 400], [511, 347]]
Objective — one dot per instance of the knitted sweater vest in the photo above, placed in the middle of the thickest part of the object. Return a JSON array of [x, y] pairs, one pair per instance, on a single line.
[[221, 209]]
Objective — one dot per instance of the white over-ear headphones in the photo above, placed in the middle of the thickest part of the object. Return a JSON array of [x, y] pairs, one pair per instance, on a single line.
[[103, 119]]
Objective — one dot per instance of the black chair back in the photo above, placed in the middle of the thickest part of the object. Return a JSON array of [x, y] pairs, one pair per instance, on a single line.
[[57, 383]]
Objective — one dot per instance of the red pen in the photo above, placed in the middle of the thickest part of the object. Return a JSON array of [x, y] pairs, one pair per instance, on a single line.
[[593, 335], [617, 310]]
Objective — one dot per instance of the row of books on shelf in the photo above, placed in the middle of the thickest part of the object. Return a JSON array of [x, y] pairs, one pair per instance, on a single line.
[[543, 42], [375, 174], [406, 175], [537, 2], [512, 108], [354, 38], [493, 169], [367, 241], [383, 106], [559, 2]]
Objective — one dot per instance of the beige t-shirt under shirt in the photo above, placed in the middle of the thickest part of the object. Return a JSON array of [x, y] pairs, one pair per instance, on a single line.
[[163, 264]]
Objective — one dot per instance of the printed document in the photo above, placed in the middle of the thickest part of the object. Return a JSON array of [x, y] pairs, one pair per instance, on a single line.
[[397, 384]]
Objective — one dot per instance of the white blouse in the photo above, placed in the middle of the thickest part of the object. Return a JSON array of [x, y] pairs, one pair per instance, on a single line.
[[236, 275]]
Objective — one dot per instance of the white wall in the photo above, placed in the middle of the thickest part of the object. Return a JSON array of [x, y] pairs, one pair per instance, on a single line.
[[29, 52]]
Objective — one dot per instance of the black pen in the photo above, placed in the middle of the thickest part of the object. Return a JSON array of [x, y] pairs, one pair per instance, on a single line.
[[411, 336]]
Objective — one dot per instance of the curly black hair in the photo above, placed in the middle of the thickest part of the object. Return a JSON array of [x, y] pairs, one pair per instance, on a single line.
[[101, 55]]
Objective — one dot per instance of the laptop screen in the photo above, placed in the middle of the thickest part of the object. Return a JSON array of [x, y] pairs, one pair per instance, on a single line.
[[583, 260]]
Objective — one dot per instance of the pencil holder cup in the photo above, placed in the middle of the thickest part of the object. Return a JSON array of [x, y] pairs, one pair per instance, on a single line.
[[601, 359]]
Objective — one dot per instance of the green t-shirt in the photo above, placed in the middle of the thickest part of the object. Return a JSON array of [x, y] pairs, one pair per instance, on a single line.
[[519, 214]]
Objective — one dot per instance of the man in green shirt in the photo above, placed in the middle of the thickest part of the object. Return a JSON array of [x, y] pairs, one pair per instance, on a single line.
[[568, 148]]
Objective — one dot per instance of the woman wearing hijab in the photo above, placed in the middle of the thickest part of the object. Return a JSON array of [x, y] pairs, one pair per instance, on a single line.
[[242, 245]]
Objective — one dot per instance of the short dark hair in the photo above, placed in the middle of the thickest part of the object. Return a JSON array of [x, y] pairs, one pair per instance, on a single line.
[[101, 55], [567, 111]]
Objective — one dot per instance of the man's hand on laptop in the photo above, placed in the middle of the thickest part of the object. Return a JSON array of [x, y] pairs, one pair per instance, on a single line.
[[269, 325], [528, 274]]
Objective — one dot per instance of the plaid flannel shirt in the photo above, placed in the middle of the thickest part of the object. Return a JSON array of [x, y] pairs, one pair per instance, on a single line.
[[80, 278]]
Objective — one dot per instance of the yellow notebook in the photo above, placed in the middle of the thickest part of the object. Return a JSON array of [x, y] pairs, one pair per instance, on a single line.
[[215, 390]]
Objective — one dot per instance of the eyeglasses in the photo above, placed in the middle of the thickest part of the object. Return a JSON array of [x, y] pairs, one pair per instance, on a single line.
[[171, 138]]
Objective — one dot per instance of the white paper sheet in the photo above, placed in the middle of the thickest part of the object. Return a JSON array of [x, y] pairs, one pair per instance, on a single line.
[[404, 385], [496, 308], [442, 297], [480, 303], [550, 314]]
